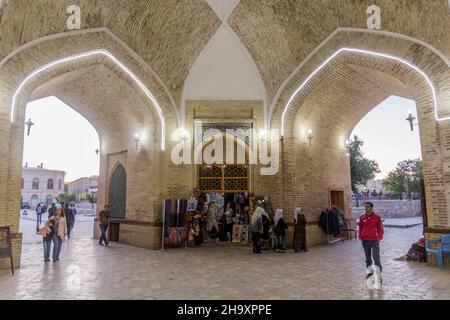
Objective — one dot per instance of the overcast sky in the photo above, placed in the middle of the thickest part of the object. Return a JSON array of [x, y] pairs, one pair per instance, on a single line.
[[387, 135], [62, 139]]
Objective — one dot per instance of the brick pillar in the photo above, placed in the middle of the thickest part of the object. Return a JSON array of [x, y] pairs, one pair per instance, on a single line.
[[11, 143]]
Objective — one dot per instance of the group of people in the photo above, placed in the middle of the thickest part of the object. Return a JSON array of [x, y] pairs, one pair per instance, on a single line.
[[211, 222], [58, 226], [264, 230]]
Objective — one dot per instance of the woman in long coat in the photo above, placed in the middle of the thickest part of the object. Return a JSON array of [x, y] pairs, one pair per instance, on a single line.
[[212, 219], [299, 231]]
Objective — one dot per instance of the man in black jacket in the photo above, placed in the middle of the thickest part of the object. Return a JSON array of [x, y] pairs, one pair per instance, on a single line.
[[51, 211], [70, 219]]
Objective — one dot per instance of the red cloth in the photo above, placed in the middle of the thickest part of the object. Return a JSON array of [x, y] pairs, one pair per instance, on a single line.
[[370, 227]]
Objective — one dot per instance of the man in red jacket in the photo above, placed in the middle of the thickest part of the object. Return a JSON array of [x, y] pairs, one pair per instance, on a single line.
[[371, 232]]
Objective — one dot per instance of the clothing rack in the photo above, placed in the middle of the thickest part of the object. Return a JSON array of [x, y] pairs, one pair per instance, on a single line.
[[331, 241]]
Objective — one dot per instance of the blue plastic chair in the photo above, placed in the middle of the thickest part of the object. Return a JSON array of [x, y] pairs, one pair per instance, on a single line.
[[439, 252]]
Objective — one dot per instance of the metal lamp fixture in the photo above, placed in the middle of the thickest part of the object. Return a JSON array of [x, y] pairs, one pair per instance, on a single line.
[[29, 123], [347, 145], [184, 135], [136, 139], [411, 119], [310, 136], [263, 136]]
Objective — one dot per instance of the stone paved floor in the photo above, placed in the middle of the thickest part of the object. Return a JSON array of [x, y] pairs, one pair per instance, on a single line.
[[88, 271], [403, 222]]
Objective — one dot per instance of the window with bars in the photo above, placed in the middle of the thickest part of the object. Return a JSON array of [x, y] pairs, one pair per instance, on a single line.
[[223, 178]]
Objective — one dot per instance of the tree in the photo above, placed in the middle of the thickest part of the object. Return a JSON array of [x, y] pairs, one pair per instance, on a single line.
[[362, 169], [66, 197], [405, 177], [395, 182], [91, 198]]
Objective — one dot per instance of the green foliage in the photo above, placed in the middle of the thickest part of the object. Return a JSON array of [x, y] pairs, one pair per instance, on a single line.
[[405, 178], [91, 198], [66, 197], [362, 169]]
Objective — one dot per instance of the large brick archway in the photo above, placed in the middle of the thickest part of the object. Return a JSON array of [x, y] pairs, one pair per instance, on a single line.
[[337, 97], [109, 98]]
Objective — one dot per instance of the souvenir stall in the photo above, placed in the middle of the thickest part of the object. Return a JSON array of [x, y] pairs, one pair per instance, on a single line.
[[174, 223]]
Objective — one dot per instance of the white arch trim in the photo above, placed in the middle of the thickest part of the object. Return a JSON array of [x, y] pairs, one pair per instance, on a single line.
[[372, 53], [105, 30], [87, 54]]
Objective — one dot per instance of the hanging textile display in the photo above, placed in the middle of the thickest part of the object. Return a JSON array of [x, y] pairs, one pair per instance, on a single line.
[[244, 233], [236, 233], [175, 223]]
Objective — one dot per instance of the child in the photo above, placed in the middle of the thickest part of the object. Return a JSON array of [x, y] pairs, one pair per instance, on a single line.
[[47, 232]]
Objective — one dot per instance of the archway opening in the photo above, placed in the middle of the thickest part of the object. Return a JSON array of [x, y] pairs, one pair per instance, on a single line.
[[389, 170], [60, 165]]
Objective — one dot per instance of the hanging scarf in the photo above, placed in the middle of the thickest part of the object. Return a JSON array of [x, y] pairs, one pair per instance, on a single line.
[[212, 218], [278, 216], [257, 214]]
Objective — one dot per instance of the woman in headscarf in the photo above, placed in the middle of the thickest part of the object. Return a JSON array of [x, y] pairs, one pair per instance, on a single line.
[[257, 229], [299, 231], [212, 225], [280, 228], [266, 230]]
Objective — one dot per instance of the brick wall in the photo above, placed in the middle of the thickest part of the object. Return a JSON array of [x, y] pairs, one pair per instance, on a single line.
[[278, 36]]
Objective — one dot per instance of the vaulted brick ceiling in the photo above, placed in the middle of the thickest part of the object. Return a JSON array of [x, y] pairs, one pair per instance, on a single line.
[[167, 34], [170, 34], [281, 34]]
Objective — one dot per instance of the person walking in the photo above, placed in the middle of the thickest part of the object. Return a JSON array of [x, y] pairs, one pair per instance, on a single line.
[[257, 229], [60, 226], [104, 217], [47, 233], [279, 229], [70, 219], [299, 231], [229, 221], [371, 233], [39, 214], [265, 236]]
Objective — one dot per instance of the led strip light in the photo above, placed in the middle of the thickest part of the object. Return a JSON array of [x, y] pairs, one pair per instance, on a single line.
[[369, 53], [117, 62]]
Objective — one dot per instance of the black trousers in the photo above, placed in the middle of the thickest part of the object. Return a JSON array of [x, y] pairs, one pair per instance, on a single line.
[[372, 248]]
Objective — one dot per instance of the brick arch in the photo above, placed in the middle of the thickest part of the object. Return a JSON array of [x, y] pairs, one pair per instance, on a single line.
[[373, 48], [88, 46], [101, 72], [167, 35], [338, 96], [281, 34]]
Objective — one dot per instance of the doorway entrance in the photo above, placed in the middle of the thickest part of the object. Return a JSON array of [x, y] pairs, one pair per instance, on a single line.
[[337, 198]]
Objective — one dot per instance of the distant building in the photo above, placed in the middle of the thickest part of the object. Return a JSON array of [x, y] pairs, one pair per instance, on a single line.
[[41, 185], [84, 186], [372, 185]]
